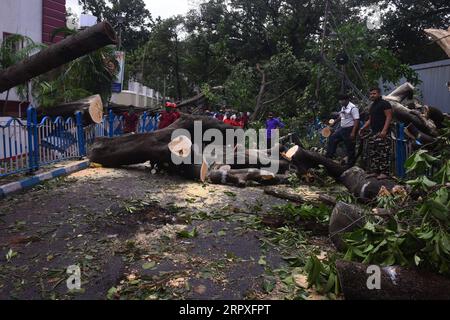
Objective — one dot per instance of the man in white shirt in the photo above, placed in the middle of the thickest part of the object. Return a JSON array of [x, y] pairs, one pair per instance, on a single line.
[[349, 116]]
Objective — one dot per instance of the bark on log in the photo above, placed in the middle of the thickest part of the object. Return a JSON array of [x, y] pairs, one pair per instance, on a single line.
[[407, 116], [153, 146], [401, 93], [397, 283], [241, 177], [344, 218], [91, 107], [58, 54], [361, 184], [365, 186], [415, 134], [119, 109], [284, 195], [305, 160], [442, 37]]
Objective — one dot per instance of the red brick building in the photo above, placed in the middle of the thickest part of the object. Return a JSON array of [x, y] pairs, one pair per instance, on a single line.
[[33, 18]]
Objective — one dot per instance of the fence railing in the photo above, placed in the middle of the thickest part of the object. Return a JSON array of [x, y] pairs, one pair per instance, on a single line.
[[25, 146]]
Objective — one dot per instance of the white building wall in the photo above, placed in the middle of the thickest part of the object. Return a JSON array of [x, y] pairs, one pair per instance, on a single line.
[[20, 17]]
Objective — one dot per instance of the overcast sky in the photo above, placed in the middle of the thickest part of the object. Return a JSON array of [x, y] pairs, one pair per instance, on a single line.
[[163, 8]]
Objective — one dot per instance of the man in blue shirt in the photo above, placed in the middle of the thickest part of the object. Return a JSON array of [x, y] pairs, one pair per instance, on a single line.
[[272, 124]]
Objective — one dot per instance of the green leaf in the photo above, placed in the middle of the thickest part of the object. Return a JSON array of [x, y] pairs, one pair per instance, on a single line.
[[417, 260], [10, 255], [262, 261], [269, 285], [111, 293], [149, 265], [221, 233], [188, 234], [230, 194]]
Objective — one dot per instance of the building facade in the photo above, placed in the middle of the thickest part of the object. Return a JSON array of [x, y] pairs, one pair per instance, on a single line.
[[35, 19]]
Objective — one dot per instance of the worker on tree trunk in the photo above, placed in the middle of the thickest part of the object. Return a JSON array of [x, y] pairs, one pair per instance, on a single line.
[[378, 145], [349, 117], [169, 116]]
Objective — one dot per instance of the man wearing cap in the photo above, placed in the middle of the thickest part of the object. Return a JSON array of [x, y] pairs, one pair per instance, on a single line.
[[169, 116], [349, 117]]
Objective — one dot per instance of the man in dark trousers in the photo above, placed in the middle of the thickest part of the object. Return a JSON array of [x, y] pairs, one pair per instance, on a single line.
[[349, 117], [378, 146]]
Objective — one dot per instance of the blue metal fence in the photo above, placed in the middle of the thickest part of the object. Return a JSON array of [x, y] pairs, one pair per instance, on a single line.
[[26, 146]]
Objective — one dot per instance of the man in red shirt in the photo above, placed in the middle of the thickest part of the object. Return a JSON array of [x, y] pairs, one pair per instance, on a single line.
[[130, 121], [169, 116]]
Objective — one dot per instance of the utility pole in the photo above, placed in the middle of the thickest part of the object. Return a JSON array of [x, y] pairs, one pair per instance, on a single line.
[[322, 51]]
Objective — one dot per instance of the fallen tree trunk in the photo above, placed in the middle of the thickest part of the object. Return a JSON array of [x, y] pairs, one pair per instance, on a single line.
[[397, 283], [344, 218], [119, 109], [407, 116], [91, 108], [153, 146], [160, 146], [442, 37], [284, 195], [241, 177], [401, 93], [365, 186], [58, 54], [415, 134], [361, 184]]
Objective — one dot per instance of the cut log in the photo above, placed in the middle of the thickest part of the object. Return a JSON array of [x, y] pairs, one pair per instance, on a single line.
[[365, 186], [328, 200], [153, 146], [435, 115], [91, 107], [284, 195], [362, 185], [305, 160], [344, 218], [407, 116], [396, 283], [401, 93], [415, 134], [119, 109], [241, 177], [58, 54], [442, 37], [181, 146]]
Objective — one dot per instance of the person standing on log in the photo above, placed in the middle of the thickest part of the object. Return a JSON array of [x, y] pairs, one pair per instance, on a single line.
[[377, 150], [272, 124], [130, 120], [169, 116], [349, 117]]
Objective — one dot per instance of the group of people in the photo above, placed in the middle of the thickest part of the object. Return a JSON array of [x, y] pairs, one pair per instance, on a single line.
[[375, 132], [233, 118], [167, 117]]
